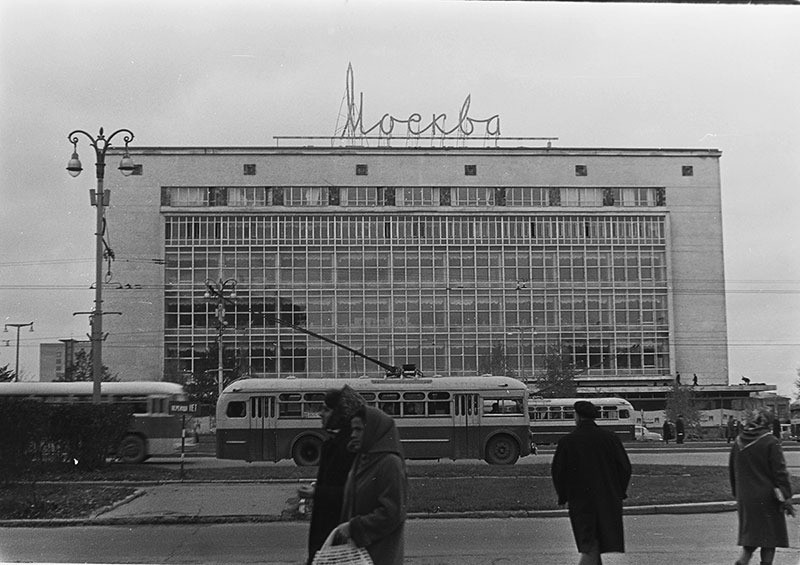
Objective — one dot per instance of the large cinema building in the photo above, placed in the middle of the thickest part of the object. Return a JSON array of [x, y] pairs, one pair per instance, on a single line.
[[431, 256]]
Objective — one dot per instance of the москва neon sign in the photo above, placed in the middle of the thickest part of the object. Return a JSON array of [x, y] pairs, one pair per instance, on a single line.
[[354, 127]]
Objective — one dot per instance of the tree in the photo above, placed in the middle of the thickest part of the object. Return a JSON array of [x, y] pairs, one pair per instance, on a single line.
[[680, 402], [201, 385], [559, 377], [82, 370], [796, 384], [6, 374], [496, 363]]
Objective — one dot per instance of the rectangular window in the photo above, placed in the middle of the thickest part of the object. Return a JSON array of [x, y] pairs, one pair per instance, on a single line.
[[470, 170], [362, 170], [249, 196], [249, 169]]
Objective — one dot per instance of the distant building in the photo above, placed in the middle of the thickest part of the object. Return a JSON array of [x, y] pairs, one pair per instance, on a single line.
[[431, 256], [56, 358]]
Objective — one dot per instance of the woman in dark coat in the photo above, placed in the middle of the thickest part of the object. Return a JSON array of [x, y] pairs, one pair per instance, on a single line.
[[334, 465], [375, 496], [760, 483], [591, 472]]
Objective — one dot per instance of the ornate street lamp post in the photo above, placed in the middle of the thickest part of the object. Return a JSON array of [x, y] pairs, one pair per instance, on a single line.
[[216, 290], [99, 198], [18, 326]]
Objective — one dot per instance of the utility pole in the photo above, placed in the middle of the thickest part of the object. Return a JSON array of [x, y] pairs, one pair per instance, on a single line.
[[18, 326], [99, 198], [216, 290]]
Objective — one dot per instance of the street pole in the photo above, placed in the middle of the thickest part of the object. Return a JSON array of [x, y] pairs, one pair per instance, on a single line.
[[16, 365], [99, 198], [216, 290]]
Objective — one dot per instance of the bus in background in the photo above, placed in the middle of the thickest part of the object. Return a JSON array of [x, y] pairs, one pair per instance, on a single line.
[[553, 418], [438, 418], [154, 430]]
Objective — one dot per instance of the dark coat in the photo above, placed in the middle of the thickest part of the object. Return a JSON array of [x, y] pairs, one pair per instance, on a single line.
[[757, 467], [679, 427], [376, 491], [334, 465], [667, 430], [591, 472]]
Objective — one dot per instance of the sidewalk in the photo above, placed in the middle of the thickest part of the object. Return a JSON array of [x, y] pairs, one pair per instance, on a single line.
[[227, 502]]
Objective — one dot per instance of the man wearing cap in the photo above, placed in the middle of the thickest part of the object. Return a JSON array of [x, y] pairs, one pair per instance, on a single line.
[[591, 472]]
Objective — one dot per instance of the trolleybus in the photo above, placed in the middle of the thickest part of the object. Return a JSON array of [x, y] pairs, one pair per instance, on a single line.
[[154, 431], [437, 418], [553, 418]]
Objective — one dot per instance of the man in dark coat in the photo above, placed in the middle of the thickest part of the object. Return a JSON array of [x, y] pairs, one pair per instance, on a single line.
[[335, 461], [680, 429], [591, 472]]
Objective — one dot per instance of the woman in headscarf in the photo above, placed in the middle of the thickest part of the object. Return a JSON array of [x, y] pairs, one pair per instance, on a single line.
[[760, 483], [334, 464], [374, 510]]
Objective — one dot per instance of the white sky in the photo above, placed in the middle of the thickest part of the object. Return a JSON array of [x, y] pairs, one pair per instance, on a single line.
[[238, 73]]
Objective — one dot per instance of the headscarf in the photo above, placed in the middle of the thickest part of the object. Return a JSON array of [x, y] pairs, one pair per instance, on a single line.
[[344, 402], [757, 424]]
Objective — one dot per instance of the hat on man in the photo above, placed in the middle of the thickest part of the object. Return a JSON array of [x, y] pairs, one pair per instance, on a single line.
[[586, 409]]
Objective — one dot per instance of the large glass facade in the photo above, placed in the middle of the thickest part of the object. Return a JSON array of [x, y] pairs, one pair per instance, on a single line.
[[438, 288]]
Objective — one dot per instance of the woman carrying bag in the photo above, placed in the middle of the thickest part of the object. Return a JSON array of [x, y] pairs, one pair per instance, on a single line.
[[375, 496], [760, 483]]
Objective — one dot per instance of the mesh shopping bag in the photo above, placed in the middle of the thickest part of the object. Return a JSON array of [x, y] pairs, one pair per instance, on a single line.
[[345, 554]]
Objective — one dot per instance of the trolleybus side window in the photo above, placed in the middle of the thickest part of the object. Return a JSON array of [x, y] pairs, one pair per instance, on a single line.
[[500, 406], [236, 409], [312, 404], [438, 403], [289, 405], [389, 402], [414, 404]]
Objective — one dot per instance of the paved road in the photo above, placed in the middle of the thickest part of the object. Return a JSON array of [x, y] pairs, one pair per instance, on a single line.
[[696, 539]]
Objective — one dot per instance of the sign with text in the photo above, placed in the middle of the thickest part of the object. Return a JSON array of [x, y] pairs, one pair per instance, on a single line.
[[183, 408]]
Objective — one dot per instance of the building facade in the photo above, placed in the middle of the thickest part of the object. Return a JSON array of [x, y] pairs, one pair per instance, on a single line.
[[56, 358], [438, 257]]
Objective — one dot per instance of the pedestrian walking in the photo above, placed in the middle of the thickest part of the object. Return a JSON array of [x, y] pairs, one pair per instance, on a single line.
[[335, 461], [731, 430], [760, 483], [375, 495], [591, 472], [680, 429], [666, 431]]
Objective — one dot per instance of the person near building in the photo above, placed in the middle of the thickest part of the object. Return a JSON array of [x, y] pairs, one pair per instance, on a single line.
[[680, 429], [591, 472], [375, 496], [335, 461], [694, 379], [760, 483], [666, 430], [731, 430]]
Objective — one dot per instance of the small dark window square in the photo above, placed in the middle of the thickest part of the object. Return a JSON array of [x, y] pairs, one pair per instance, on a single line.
[[137, 170], [470, 170], [581, 171], [362, 170], [687, 170], [250, 169]]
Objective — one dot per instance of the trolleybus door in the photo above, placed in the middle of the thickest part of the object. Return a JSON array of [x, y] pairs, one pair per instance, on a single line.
[[262, 428], [466, 426]]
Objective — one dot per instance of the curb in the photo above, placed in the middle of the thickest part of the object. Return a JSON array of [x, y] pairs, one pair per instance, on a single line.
[[98, 520]]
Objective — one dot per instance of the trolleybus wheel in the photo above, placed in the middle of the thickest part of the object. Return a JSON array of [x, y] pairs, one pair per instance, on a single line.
[[132, 449], [502, 450], [306, 451]]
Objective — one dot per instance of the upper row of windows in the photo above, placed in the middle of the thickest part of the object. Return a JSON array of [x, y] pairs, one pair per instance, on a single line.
[[362, 170], [367, 196]]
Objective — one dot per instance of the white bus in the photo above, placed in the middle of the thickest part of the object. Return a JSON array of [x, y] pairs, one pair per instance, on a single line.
[[154, 430], [553, 418], [438, 418]]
